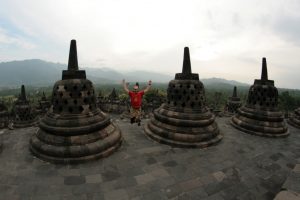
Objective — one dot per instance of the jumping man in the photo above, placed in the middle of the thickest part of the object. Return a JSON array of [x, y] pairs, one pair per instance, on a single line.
[[136, 101]]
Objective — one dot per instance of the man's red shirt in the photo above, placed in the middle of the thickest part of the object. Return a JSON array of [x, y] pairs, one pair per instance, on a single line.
[[136, 98]]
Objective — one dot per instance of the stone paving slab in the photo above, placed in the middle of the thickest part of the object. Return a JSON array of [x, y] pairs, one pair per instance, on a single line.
[[241, 167], [291, 187]]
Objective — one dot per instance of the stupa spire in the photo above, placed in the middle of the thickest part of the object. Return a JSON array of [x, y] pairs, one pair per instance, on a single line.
[[186, 67], [186, 73], [73, 71], [234, 94], [264, 70], [73, 61], [23, 93]]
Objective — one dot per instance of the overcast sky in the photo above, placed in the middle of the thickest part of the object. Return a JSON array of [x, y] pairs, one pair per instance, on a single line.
[[226, 38]]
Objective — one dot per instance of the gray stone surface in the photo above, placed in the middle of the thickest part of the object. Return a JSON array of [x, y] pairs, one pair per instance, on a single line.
[[291, 187], [241, 166]]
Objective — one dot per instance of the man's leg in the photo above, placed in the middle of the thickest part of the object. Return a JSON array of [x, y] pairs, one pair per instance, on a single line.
[[132, 115], [138, 116]]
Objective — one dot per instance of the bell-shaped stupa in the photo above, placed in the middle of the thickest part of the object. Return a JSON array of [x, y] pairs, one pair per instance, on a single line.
[[113, 95], [233, 103], [260, 116], [74, 129], [23, 113], [294, 120], [3, 115], [184, 120], [44, 104]]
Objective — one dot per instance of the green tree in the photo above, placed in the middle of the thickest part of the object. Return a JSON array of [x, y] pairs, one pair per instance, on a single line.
[[287, 102]]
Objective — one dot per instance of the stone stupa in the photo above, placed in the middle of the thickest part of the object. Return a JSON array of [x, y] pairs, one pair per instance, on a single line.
[[44, 104], [3, 115], [74, 129], [260, 116], [294, 120], [23, 113], [3, 120], [233, 103], [184, 120], [113, 95]]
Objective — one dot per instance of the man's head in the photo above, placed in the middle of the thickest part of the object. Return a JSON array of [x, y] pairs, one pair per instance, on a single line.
[[136, 87]]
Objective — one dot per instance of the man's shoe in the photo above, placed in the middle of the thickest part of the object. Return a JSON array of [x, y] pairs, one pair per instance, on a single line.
[[132, 120], [139, 122]]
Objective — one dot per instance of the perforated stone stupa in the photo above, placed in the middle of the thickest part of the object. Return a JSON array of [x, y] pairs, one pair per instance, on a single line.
[[113, 95], [44, 104], [294, 120], [233, 102], [74, 129], [3, 115], [260, 116], [24, 114], [184, 120]]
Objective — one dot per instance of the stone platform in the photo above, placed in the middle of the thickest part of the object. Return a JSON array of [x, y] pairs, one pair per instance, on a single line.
[[241, 167]]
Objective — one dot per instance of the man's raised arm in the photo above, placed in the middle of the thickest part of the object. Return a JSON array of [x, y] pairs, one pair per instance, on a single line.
[[148, 86], [125, 86]]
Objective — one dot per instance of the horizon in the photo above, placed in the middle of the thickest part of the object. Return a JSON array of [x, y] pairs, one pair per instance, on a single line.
[[141, 70], [226, 40]]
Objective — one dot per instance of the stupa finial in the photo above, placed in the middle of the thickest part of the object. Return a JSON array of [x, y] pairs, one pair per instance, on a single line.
[[23, 93], [186, 73], [73, 71], [186, 67], [234, 94], [264, 71], [73, 61]]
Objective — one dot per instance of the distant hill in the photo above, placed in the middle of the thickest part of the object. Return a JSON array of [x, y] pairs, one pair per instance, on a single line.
[[108, 76], [220, 81], [39, 73], [29, 72]]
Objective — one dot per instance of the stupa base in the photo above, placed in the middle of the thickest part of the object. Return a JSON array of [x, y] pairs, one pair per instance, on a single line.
[[252, 129], [294, 122], [78, 153], [181, 140], [227, 114], [25, 124]]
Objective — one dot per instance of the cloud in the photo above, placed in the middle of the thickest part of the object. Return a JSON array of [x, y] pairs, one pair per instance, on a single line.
[[226, 38], [288, 28], [19, 42]]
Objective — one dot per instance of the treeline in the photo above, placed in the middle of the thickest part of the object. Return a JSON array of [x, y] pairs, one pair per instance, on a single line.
[[216, 95]]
